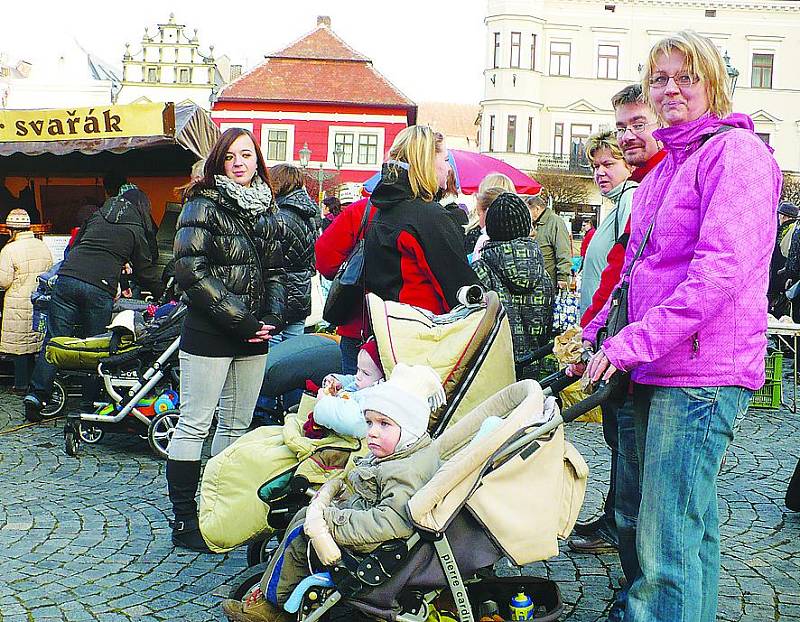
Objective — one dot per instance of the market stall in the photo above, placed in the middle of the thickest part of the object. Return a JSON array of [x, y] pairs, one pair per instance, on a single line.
[[52, 161]]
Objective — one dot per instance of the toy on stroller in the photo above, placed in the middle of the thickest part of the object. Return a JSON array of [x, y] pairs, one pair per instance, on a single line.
[[514, 494], [140, 378]]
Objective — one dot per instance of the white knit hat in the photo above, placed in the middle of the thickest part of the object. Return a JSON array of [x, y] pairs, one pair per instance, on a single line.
[[407, 398]]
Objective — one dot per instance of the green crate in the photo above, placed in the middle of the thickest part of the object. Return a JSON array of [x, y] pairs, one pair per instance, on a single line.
[[771, 394]]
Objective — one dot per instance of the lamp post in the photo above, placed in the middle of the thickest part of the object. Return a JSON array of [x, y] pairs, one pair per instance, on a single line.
[[305, 156], [733, 73]]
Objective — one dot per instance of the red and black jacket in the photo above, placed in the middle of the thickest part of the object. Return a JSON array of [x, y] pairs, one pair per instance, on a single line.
[[414, 251]]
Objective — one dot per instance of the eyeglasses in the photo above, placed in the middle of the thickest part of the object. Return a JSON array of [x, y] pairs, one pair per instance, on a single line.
[[637, 128], [682, 80]]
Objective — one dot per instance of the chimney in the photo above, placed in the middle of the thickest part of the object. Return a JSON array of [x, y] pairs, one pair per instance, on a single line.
[[323, 21]]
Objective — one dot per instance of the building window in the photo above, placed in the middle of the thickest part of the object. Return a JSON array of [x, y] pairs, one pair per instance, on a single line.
[[560, 53], [516, 42], [276, 145], [184, 76], [511, 134], [152, 74], [496, 58], [491, 132], [762, 71], [368, 149], [533, 52], [346, 141], [763, 136], [530, 134], [579, 134], [608, 62], [558, 139]]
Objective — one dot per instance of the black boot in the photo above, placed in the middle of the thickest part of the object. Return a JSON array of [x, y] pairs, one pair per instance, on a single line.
[[182, 479], [793, 492]]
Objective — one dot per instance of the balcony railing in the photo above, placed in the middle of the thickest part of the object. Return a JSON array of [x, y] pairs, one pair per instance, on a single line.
[[574, 163]]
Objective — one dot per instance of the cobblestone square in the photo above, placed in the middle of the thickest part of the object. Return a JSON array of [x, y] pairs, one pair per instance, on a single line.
[[87, 539]]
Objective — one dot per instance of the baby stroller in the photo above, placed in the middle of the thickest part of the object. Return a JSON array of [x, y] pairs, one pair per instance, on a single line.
[[480, 506], [140, 378], [282, 468]]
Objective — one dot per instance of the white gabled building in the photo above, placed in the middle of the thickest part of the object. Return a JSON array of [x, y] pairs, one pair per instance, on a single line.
[[552, 66], [170, 66]]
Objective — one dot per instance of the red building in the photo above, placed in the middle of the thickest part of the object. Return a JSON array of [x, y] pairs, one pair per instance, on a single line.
[[321, 92]]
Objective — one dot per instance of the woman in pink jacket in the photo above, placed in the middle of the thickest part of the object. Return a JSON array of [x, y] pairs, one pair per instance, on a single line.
[[696, 337]]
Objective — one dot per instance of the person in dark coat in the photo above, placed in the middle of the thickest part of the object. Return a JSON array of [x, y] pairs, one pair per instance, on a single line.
[[87, 283], [333, 207], [787, 223], [414, 251], [511, 264], [300, 215], [228, 262]]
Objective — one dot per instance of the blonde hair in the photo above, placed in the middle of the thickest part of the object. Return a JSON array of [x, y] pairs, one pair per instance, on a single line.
[[496, 180], [487, 196], [604, 139], [417, 146], [702, 60]]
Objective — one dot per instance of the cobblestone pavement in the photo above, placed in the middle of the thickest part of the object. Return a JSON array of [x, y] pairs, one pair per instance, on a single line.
[[87, 539]]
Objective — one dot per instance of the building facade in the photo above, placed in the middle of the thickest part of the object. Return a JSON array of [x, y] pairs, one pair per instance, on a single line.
[[171, 67], [321, 93], [552, 67]]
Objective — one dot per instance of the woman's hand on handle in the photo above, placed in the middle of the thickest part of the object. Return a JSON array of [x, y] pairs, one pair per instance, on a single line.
[[599, 368]]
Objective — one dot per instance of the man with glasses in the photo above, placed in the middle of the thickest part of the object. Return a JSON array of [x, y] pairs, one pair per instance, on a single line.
[[616, 527]]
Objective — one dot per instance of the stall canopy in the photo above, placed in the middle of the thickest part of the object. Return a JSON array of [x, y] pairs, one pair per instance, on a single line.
[[140, 139]]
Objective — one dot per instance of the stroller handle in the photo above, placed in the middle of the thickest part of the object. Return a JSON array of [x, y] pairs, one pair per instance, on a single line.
[[557, 382], [600, 395], [537, 355]]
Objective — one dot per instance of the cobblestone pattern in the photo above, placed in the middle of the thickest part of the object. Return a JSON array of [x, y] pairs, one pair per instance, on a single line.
[[87, 539]]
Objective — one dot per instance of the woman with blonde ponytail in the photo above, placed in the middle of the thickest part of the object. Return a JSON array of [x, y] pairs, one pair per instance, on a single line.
[[414, 251]]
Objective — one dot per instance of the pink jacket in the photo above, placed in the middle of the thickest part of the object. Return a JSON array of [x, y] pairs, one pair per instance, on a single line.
[[698, 295]]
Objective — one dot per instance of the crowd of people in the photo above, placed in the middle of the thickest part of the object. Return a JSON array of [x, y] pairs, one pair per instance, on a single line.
[[685, 359]]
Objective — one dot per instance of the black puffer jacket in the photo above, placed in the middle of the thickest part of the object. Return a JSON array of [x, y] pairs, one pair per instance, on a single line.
[[298, 212], [231, 272]]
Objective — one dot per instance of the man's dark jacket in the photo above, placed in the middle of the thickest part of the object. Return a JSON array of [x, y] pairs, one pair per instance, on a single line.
[[113, 236]]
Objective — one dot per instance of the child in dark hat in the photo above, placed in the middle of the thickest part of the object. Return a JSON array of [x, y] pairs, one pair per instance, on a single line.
[[511, 264]]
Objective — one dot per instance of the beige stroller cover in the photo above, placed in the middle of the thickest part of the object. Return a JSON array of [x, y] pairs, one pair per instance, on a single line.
[[525, 502], [470, 349]]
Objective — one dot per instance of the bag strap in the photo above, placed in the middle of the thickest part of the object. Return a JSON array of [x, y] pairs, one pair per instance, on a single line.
[[364, 221]]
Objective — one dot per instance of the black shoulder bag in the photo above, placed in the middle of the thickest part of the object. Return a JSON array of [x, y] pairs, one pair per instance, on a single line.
[[347, 289]]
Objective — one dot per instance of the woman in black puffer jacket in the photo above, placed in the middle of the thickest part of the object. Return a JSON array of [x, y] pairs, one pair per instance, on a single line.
[[299, 213], [228, 250]]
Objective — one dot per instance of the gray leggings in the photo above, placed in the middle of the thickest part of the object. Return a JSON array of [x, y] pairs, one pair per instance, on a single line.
[[233, 383]]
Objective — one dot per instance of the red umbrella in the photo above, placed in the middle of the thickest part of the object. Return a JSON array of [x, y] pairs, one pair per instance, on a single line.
[[470, 169]]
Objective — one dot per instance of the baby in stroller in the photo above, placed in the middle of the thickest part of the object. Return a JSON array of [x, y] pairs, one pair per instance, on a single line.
[[401, 460]]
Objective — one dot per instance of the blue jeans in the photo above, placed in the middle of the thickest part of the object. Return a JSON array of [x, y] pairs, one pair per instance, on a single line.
[[349, 347], [77, 309], [290, 330], [688, 431]]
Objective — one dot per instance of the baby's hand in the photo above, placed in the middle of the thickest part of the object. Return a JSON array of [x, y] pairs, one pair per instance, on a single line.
[[331, 384]]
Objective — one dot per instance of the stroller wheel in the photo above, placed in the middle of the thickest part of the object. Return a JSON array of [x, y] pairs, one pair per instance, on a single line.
[[72, 439], [58, 400], [160, 431], [248, 580], [90, 434], [259, 551]]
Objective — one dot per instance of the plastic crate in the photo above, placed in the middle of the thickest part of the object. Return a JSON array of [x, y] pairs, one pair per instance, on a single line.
[[771, 394]]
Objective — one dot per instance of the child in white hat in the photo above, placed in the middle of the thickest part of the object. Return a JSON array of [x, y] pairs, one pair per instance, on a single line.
[[401, 461]]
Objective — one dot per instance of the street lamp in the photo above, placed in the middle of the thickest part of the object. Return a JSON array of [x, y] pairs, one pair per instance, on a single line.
[[338, 156], [305, 156], [733, 73]]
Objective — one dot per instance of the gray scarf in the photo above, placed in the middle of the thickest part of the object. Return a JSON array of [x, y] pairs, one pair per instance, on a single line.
[[253, 201]]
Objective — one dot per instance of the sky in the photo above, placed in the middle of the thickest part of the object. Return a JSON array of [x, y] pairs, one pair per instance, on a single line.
[[433, 50]]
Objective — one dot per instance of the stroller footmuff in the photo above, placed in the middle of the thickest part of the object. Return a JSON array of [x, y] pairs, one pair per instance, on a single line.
[[466, 518]]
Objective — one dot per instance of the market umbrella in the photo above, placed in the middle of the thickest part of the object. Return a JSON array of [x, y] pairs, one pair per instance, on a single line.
[[470, 168]]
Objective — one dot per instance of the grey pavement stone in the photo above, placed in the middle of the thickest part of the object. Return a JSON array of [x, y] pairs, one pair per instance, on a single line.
[[87, 539]]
